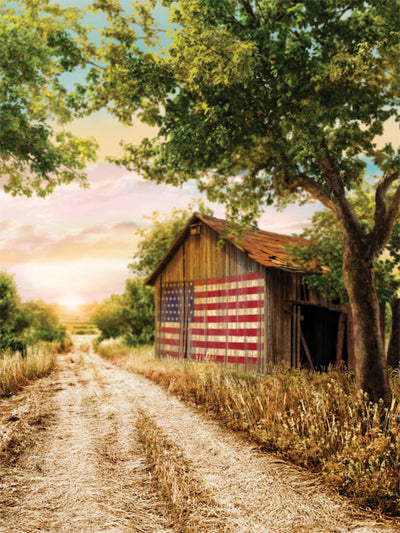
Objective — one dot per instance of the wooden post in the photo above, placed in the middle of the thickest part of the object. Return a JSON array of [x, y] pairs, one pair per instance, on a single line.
[[340, 340], [309, 359]]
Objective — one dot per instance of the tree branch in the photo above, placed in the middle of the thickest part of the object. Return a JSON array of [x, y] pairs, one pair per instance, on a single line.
[[247, 6], [312, 187], [380, 196], [385, 216], [343, 209]]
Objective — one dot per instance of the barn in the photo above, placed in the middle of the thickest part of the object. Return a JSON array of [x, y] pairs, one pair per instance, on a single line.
[[243, 304]]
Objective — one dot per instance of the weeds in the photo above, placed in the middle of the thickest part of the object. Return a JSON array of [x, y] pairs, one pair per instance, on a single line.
[[17, 371], [317, 420]]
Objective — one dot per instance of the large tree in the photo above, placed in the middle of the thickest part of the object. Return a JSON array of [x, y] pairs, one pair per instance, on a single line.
[[259, 99], [40, 43]]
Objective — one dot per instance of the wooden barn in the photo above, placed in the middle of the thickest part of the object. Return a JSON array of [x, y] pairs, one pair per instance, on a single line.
[[243, 304]]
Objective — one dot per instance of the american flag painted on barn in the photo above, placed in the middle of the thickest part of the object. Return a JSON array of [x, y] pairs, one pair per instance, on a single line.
[[220, 319], [176, 315]]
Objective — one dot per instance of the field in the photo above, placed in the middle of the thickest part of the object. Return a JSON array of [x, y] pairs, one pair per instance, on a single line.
[[93, 446]]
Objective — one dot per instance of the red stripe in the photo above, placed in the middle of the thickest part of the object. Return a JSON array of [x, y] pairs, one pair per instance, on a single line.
[[217, 306], [229, 345], [224, 319], [240, 332], [223, 293], [172, 342], [229, 279]]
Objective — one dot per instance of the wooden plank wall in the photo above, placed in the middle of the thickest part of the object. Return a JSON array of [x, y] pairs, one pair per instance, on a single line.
[[201, 258]]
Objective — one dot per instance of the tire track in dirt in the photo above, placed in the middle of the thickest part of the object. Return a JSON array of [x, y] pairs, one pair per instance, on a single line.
[[258, 492], [85, 471]]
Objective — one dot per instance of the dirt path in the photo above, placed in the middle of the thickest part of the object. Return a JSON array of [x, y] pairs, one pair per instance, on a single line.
[[75, 462]]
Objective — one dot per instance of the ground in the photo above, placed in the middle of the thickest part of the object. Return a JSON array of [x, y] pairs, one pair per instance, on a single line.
[[76, 456]]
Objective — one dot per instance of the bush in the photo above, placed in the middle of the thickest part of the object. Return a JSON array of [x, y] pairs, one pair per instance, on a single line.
[[130, 315]]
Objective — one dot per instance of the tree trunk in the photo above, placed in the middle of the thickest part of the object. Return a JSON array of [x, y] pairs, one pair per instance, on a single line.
[[393, 355], [359, 278]]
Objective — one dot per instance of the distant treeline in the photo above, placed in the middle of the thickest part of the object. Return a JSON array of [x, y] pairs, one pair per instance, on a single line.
[[26, 324]]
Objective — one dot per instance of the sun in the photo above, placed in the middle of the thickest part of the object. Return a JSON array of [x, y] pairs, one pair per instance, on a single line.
[[71, 301]]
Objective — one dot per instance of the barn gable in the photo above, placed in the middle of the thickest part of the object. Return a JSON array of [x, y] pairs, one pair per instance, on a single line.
[[240, 304]]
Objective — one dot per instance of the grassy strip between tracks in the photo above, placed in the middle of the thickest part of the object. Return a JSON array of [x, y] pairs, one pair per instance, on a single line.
[[316, 420], [17, 371], [193, 509]]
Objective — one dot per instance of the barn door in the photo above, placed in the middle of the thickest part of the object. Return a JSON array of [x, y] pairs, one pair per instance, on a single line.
[[317, 335]]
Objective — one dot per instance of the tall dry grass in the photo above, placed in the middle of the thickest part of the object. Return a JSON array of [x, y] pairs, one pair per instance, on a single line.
[[320, 421], [17, 371]]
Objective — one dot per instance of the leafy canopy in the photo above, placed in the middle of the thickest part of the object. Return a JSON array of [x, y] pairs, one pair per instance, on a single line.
[[255, 99], [40, 42]]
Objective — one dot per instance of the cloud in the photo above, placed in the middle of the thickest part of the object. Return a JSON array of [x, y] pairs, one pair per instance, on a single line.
[[102, 242]]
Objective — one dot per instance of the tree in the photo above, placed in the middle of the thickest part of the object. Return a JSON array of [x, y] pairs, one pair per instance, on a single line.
[[325, 254], [10, 306], [129, 315], [156, 240], [42, 323], [39, 43], [266, 99]]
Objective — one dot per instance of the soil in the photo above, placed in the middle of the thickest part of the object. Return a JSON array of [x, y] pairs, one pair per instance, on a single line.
[[72, 460]]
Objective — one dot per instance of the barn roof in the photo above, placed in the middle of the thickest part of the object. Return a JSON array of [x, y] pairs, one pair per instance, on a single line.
[[264, 247]]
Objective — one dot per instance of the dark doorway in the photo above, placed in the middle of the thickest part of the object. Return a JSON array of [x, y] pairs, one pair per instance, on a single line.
[[319, 338]]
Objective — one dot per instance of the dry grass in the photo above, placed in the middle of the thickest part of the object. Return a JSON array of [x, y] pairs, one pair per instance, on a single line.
[[192, 507], [17, 371], [319, 421]]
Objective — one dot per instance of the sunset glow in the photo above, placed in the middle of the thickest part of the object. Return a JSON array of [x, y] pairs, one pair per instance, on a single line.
[[71, 301]]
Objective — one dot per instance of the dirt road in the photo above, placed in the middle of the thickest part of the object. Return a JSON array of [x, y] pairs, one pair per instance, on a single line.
[[75, 459]]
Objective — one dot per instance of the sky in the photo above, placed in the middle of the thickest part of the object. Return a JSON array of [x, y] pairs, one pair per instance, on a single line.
[[74, 246]]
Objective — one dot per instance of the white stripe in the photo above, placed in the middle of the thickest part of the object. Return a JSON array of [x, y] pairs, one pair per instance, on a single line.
[[240, 298], [258, 312], [229, 285], [222, 352]]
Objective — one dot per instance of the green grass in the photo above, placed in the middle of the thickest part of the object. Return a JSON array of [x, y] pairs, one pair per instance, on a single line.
[[319, 421]]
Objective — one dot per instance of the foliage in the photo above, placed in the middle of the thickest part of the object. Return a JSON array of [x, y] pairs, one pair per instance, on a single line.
[[43, 324], [130, 315], [156, 240], [251, 97], [23, 324], [316, 420], [11, 320], [39, 43], [325, 253]]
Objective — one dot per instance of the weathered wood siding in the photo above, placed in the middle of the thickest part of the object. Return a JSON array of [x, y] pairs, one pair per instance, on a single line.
[[201, 260]]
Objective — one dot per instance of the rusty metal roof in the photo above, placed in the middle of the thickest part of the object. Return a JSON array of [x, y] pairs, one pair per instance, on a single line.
[[264, 247]]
